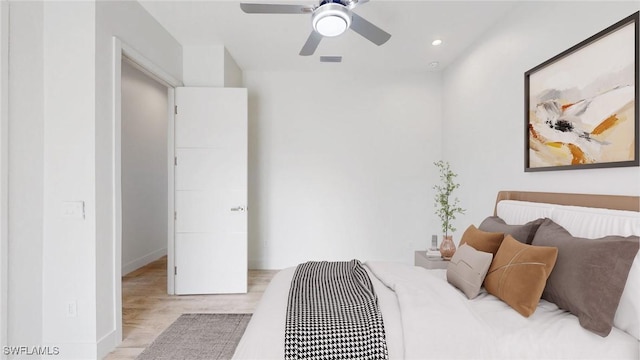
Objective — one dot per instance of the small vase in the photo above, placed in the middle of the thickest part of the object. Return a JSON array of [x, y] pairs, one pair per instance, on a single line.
[[447, 247]]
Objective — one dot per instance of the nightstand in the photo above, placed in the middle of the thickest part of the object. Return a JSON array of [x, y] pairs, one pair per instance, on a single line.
[[421, 259]]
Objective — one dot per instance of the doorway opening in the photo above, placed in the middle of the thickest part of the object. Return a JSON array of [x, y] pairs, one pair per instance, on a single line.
[[144, 173], [128, 60]]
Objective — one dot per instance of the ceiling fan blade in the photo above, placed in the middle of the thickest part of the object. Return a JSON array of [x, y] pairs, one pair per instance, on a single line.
[[275, 9], [368, 30], [311, 45]]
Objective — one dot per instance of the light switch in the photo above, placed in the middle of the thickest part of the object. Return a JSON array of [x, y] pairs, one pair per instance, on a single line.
[[73, 209], [72, 308]]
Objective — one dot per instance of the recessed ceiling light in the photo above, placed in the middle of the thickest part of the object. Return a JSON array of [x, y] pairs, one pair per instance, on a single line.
[[434, 64], [436, 42]]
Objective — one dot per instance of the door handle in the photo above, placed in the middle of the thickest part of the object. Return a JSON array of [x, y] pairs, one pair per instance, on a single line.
[[238, 209]]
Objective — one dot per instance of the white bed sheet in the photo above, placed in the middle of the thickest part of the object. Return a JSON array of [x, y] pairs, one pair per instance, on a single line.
[[426, 318], [441, 323]]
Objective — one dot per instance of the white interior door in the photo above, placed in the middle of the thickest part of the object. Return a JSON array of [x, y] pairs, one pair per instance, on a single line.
[[211, 190]]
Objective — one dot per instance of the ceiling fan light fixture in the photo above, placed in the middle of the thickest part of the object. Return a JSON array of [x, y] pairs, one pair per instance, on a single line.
[[331, 19]]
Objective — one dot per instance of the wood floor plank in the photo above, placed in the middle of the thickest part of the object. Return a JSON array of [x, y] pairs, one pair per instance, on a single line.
[[147, 310]]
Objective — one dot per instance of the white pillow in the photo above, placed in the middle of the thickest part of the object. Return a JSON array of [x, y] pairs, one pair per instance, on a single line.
[[467, 269]]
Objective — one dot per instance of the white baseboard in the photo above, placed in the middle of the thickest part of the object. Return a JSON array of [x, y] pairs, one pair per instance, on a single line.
[[142, 261], [107, 344]]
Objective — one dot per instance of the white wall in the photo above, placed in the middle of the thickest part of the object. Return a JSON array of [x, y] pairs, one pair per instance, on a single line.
[[483, 123], [4, 167], [69, 245], [232, 72], [203, 65], [25, 165], [144, 169], [210, 65], [340, 165], [61, 149]]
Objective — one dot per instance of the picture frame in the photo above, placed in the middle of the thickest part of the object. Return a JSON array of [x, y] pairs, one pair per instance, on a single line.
[[582, 105]]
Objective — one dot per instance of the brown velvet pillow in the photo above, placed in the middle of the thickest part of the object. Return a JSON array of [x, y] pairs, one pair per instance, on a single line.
[[590, 274], [523, 233], [481, 240], [519, 273]]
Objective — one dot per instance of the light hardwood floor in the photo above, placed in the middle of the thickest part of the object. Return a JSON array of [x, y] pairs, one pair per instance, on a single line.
[[147, 310]]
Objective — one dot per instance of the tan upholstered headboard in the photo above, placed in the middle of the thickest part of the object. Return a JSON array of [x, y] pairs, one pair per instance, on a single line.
[[615, 202]]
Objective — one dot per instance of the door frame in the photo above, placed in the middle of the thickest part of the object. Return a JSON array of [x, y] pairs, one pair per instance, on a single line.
[[123, 51]]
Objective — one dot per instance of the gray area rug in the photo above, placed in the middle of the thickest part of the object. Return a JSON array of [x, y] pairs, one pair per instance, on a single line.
[[198, 336]]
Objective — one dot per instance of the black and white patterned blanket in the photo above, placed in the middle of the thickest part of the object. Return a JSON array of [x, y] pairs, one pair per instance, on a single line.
[[333, 313]]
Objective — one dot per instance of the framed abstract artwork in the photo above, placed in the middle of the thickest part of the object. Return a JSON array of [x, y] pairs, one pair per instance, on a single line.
[[581, 106]]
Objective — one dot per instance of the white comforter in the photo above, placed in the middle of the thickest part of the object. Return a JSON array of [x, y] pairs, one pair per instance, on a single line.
[[426, 318]]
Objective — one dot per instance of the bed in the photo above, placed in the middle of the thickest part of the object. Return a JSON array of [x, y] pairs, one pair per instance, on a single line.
[[425, 317]]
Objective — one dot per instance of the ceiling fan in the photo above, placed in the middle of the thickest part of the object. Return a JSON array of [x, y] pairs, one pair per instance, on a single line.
[[329, 18]]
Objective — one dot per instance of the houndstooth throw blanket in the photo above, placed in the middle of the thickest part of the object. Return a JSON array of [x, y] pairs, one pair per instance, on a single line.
[[333, 313]]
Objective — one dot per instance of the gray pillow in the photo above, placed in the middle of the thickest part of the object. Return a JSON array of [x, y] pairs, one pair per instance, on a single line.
[[589, 276], [467, 269], [523, 233]]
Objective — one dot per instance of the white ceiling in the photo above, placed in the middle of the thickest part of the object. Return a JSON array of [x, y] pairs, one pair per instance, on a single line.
[[268, 42]]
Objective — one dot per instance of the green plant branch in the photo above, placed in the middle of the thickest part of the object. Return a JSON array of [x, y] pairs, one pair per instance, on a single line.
[[446, 208]]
